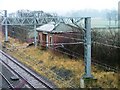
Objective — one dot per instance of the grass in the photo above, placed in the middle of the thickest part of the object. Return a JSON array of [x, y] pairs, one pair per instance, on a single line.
[[42, 61]]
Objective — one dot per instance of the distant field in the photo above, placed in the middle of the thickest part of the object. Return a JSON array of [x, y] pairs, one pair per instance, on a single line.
[[98, 22]]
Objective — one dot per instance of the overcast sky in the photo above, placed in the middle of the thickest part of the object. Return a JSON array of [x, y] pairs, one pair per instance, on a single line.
[[59, 6]]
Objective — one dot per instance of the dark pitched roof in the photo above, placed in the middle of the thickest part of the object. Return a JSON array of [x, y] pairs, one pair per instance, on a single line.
[[57, 28]]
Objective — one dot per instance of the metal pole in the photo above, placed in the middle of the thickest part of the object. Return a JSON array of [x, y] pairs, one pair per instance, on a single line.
[[118, 34], [6, 27], [35, 35], [118, 24], [87, 48], [47, 39]]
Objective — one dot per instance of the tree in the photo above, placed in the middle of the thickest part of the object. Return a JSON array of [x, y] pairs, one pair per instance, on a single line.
[[112, 15]]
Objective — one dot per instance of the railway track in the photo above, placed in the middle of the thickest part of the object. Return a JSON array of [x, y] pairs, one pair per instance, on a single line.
[[32, 79], [25, 80], [8, 82]]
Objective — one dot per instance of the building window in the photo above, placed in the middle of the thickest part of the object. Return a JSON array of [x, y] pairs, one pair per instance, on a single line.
[[50, 40]]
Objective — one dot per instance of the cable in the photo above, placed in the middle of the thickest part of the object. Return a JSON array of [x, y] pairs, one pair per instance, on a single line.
[[71, 51], [96, 62], [70, 37], [81, 43], [105, 40], [66, 43], [63, 52], [106, 45], [109, 67], [62, 46], [73, 33], [83, 40]]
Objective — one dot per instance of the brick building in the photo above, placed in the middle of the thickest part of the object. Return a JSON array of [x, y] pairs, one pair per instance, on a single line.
[[54, 35]]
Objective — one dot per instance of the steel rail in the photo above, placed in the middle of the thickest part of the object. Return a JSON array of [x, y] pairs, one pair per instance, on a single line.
[[11, 86], [18, 75], [38, 79]]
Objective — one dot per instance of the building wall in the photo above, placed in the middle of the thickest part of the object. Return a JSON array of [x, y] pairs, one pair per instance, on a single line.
[[41, 39], [55, 39], [58, 39], [44, 39], [64, 37]]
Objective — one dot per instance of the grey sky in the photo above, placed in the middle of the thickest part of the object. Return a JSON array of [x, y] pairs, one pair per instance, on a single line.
[[59, 6]]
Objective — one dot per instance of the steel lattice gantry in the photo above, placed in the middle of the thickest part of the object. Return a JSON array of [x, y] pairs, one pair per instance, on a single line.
[[42, 20]]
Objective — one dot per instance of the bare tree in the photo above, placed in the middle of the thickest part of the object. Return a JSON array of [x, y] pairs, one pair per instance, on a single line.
[[112, 15]]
